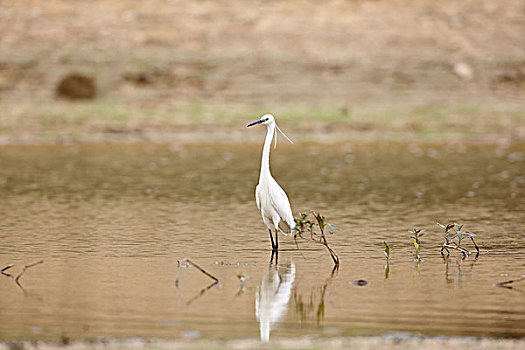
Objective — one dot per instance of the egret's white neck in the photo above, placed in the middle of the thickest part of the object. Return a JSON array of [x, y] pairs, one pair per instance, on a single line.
[[265, 160]]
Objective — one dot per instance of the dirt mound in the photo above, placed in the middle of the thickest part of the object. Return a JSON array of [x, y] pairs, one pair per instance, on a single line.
[[76, 86]]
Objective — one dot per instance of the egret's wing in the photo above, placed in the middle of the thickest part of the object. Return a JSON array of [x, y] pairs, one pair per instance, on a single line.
[[281, 204], [257, 200]]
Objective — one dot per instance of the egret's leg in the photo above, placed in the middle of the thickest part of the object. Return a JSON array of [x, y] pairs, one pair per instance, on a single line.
[[276, 240], [271, 259], [271, 238]]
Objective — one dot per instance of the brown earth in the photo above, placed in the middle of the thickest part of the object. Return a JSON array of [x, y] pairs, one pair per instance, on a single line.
[[355, 68]]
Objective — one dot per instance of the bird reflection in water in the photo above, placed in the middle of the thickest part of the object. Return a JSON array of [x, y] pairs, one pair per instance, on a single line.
[[271, 299]]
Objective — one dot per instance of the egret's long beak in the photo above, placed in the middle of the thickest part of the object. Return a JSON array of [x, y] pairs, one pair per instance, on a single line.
[[255, 123]]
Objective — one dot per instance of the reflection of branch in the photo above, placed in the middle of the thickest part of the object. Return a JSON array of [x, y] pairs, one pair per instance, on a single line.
[[203, 290], [460, 263], [306, 308]]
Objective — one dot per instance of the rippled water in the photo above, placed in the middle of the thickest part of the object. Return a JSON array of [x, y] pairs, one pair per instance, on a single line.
[[111, 222]]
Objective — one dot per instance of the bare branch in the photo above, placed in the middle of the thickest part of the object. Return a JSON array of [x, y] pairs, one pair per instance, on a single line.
[[202, 270], [197, 267], [475, 245], [323, 240], [5, 269], [506, 283], [17, 278], [205, 289]]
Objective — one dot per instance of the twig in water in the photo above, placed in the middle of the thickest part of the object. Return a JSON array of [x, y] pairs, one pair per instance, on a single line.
[[475, 245], [506, 283], [5, 269], [215, 283], [17, 278], [198, 268], [321, 222]]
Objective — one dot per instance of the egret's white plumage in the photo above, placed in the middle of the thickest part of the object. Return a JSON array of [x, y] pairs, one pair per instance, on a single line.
[[269, 196]]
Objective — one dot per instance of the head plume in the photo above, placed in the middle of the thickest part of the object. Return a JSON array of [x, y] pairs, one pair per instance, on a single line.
[[286, 137]]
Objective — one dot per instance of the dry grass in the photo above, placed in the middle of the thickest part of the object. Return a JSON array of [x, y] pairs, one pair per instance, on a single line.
[[366, 69]]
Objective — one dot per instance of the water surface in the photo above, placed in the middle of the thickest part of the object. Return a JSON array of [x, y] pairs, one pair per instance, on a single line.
[[111, 222]]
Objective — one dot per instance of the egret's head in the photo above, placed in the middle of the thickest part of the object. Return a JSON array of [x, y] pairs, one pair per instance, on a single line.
[[269, 120], [265, 119]]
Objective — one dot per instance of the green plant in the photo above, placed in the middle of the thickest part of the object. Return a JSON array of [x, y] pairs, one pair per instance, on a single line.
[[304, 224], [416, 237], [388, 250], [454, 236]]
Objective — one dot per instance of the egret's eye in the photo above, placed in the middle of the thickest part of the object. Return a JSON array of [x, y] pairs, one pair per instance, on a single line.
[[266, 119]]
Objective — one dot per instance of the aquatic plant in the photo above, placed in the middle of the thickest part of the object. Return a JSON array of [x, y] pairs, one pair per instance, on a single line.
[[388, 250], [454, 236], [304, 224], [416, 237]]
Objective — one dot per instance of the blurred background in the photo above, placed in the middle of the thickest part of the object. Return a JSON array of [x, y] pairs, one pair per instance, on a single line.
[[194, 71], [388, 102]]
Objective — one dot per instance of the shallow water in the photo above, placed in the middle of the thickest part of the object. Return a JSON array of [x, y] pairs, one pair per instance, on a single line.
[[111, 222]]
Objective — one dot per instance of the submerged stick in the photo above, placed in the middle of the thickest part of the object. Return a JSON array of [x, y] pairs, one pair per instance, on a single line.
[[205, 289], [197, 267], [506, 283], [202, 270], [445, 248], [5, 269], [17, 278], [462, 250]]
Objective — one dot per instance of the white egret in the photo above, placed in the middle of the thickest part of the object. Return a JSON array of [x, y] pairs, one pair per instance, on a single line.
[[269, 196]]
